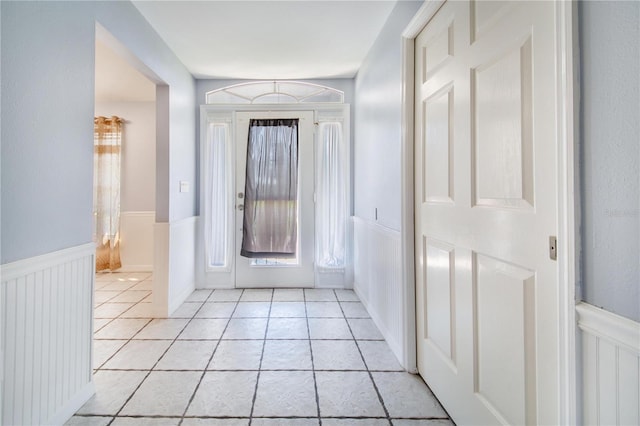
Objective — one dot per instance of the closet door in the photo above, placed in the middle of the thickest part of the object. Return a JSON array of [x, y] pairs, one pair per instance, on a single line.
[[485, 207]]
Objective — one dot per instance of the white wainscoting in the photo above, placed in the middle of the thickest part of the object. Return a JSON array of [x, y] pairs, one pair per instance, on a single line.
[[47, 317], [174, 271], [136, 241], [378, 279], [610, 367]]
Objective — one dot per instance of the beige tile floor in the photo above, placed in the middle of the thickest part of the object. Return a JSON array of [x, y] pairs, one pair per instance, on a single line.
[[246, 357]]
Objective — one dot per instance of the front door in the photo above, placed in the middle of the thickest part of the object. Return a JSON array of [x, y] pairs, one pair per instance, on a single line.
[[275, 206], [485, 207]]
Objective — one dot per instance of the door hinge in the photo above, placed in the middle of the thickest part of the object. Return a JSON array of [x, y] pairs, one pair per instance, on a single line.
[[553, 248], [315, 200]]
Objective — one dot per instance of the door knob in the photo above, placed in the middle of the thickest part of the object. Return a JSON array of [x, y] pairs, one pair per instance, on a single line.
[[240, 207]]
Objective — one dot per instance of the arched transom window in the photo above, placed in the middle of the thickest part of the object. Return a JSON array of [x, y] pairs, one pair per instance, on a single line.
[[275, 92]]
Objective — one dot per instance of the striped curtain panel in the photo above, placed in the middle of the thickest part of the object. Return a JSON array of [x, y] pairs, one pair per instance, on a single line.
[[106, 191]]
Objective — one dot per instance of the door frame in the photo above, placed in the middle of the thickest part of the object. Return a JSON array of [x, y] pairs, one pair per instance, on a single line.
[[322, 112], [567, 196]]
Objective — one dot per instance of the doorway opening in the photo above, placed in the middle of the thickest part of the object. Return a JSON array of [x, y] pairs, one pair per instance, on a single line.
[[126, 88], [123, 92]]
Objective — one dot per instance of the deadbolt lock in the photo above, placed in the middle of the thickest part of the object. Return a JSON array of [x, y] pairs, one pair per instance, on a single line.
[[240, 195]]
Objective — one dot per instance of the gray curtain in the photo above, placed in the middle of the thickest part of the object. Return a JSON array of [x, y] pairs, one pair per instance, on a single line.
[[271, 189]]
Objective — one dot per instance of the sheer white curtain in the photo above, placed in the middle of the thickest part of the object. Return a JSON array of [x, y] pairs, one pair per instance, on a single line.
[[331, 196], [217, 195]]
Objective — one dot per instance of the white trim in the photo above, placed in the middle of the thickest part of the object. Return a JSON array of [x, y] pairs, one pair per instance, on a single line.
[[135, 268], [606, 325], [141, 213], [13, 270], [160, 291], [422, 17], [73, 405], [610, 379], [273, 87], [420, 20], [377, 272], [174, 273], [566, 198], [176, 302]]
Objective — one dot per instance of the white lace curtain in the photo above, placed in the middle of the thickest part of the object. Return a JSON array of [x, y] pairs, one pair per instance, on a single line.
[[217, 196], [331, 193], [106, 191]]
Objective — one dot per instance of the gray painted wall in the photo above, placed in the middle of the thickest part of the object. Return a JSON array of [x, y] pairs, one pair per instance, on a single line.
[[47, 112], [47, 131], [610, 155], [378, 124]]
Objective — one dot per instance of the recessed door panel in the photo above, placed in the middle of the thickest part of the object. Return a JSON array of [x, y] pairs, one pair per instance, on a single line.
[[504, 339], [502, 129], [437, 147], [437, 50], [440, 298]]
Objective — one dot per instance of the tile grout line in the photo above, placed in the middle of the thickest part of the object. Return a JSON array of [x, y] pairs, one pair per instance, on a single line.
[[119, 316], [111, 320], [375, 387], [237, 303], [153, 366], [134, 335], [313, 367], [95, 370], [264, 342], [215, 349]]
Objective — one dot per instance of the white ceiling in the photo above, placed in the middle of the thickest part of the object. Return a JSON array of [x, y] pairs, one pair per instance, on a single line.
[[293, 39]]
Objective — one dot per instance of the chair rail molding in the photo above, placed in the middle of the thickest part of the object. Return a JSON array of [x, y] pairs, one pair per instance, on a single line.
[[610, 367]]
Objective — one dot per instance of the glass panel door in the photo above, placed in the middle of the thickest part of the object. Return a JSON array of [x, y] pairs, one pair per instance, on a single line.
[[274, 199]]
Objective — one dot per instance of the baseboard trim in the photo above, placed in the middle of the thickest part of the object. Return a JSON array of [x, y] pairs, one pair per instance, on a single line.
[[73, 405], [135, 268]]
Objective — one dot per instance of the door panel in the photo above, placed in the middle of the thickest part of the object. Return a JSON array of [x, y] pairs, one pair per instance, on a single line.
[[505, 360], [279, 273], [485, 191]]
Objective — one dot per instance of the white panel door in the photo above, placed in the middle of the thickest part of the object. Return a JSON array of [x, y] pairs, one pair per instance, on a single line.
[[485, 200], [297, 272]]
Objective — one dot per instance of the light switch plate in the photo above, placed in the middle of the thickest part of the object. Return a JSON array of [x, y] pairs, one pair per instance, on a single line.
[[184, 186]]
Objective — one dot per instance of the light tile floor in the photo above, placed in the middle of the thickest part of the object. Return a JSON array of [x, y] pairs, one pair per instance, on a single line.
[[246, 357]]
